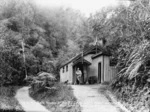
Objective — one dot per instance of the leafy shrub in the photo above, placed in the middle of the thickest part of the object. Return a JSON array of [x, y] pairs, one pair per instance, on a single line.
[[8, 91], [131, 85], [92, 80], [11, 68], [43, 82], [7, 98], [60, 99], [60, 92]]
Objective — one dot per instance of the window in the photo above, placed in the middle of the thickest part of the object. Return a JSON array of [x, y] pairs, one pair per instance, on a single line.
[[63, 69], [66, 68]]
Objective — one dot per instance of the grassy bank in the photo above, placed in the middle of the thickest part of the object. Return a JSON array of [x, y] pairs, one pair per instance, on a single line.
[[106, 91], [133, 102], [134, 98], [8, 103], [60, 100]]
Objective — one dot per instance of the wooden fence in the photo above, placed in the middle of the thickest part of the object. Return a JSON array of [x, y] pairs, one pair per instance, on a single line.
[[112, 73]]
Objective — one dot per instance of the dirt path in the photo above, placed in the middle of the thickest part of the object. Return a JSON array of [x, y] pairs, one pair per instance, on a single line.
[[91, 100], [28, 104]]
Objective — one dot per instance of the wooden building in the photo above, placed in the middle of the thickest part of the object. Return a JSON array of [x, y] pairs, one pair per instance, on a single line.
[[92, 62]]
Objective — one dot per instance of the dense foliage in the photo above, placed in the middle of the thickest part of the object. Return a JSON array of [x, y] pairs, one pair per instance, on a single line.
[[33, 39], [126, 30], [60, 99], [8, 103]]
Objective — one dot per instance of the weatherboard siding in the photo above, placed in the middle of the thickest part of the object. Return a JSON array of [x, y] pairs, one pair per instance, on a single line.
[[94, 66], [67, 75], [107, 72], [70, 69], [107, 76], [112, 72]]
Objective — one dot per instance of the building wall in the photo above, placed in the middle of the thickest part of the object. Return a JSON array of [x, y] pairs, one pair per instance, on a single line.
[[67, 75], [70, 69], [85, 73], [107, 72], [107, 77], [88, 57], [90, 69], [93, 68], [110, 72]]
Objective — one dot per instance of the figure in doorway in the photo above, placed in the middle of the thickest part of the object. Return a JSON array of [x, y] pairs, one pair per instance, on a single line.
[[79, 75]]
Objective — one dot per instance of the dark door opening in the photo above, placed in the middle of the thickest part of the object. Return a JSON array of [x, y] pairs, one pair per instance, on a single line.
[[99, 72], [80, 66]]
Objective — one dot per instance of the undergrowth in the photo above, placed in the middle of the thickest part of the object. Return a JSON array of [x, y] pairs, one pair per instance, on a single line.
[[132, 83], [61, 99], [8, 103], [61, 93]]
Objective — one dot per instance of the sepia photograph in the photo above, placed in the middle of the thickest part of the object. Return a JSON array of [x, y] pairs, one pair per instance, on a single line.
[[74, 55]]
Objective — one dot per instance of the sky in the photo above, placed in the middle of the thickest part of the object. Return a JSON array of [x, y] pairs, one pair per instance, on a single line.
[[85, 6]]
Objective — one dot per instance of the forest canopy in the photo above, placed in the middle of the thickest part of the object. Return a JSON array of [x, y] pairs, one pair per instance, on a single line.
[[34, 40], [43, 39]]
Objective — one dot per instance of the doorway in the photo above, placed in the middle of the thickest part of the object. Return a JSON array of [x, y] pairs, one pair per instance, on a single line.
[[80, 66], [99, 72]]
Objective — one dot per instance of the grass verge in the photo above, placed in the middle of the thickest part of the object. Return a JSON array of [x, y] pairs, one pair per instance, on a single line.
[[60, 100], [8, 103], [105, 90], [132, 101]]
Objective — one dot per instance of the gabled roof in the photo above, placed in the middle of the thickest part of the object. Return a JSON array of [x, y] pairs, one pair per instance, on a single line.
[[74, 58], [100, 54], [91, 50], [83, 61]]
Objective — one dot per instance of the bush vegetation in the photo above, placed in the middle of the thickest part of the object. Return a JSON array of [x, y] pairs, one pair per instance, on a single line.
[[8, 103], [59, 92], [56, 96], [60, 98], [33, 40], [126, 29]]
